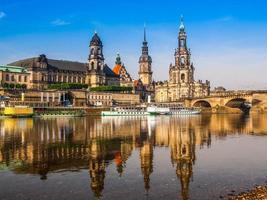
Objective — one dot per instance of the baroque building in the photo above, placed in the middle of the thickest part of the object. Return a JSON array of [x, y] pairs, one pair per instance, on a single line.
[[39, 72], [181, 83]]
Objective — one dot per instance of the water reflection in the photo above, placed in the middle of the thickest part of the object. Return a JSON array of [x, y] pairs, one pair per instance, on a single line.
[[41, 146]]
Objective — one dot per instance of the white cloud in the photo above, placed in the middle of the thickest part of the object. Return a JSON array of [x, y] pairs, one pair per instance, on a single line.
[[225, 19], [2, 14], [60, 22]]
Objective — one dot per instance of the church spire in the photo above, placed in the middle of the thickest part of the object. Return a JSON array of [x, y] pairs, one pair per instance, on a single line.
[[145, 73], [182, 27], [144, 47], [144, 32]]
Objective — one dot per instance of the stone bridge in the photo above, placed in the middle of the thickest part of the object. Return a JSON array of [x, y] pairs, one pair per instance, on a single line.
[[256, 100]]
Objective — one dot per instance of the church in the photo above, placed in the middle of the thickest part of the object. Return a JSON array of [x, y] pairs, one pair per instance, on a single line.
[[181, 83]]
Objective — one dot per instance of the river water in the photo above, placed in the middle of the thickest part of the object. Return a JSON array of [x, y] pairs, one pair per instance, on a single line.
[[155, 157]]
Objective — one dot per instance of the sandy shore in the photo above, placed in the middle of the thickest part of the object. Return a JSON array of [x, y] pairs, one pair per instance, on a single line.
[[257, 193]]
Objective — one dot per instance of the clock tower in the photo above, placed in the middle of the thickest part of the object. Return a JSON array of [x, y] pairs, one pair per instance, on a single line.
[[145, 61]]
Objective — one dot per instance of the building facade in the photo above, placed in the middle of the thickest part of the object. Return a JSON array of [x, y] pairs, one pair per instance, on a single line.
[[12, 76], [39, 72], [181, 83]]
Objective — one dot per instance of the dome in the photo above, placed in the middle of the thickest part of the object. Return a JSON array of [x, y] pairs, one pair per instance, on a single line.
[[95, 41], [182, 27]]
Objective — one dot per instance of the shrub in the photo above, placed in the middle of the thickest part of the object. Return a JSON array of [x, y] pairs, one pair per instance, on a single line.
[[65, 86]]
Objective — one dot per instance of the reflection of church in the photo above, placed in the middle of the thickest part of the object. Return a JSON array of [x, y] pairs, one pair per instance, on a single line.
[[96, 144]]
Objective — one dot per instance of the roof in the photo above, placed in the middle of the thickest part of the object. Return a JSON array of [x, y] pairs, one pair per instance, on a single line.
[[60, 65], [14, 69], [67, 65], [51, 63], [95, 41], [109, 72], [117, 69]]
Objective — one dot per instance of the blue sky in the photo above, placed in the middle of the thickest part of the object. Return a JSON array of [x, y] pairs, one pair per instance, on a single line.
[[228, 38]]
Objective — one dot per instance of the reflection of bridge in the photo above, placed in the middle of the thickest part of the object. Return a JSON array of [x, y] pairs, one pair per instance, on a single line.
[[241, 100]]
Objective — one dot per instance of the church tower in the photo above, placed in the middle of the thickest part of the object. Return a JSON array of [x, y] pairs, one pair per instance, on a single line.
[[182, 58], [95, 68], [182, 72], [145, 61]]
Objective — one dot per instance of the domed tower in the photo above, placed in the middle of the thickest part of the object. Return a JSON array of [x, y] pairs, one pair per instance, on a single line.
[[182, 57], [95, 69], [145, 61], [181, 74]]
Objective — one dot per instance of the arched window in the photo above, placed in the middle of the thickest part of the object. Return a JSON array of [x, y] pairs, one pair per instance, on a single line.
[[182, 77], [92, 65], [98, 50], [7, 77]]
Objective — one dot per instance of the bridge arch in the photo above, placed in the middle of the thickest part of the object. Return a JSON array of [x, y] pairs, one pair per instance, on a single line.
[[239, 102], [202, 103]]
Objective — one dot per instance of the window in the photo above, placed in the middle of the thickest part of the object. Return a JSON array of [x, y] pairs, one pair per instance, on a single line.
[[7, 77], [19, 78], [183, 77], [182, 42], [25, 78], [182, 60], [12, 78]]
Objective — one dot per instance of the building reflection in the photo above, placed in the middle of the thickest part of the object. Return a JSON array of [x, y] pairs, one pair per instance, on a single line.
[[43, 146]]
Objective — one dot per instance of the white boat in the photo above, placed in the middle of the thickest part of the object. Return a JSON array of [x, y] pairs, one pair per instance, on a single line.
[[125, 111], [150, 110], [184, 111], [155, 110]]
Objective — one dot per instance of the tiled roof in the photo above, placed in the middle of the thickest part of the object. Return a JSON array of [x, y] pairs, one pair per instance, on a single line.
[[117, 69], [109, 72]]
